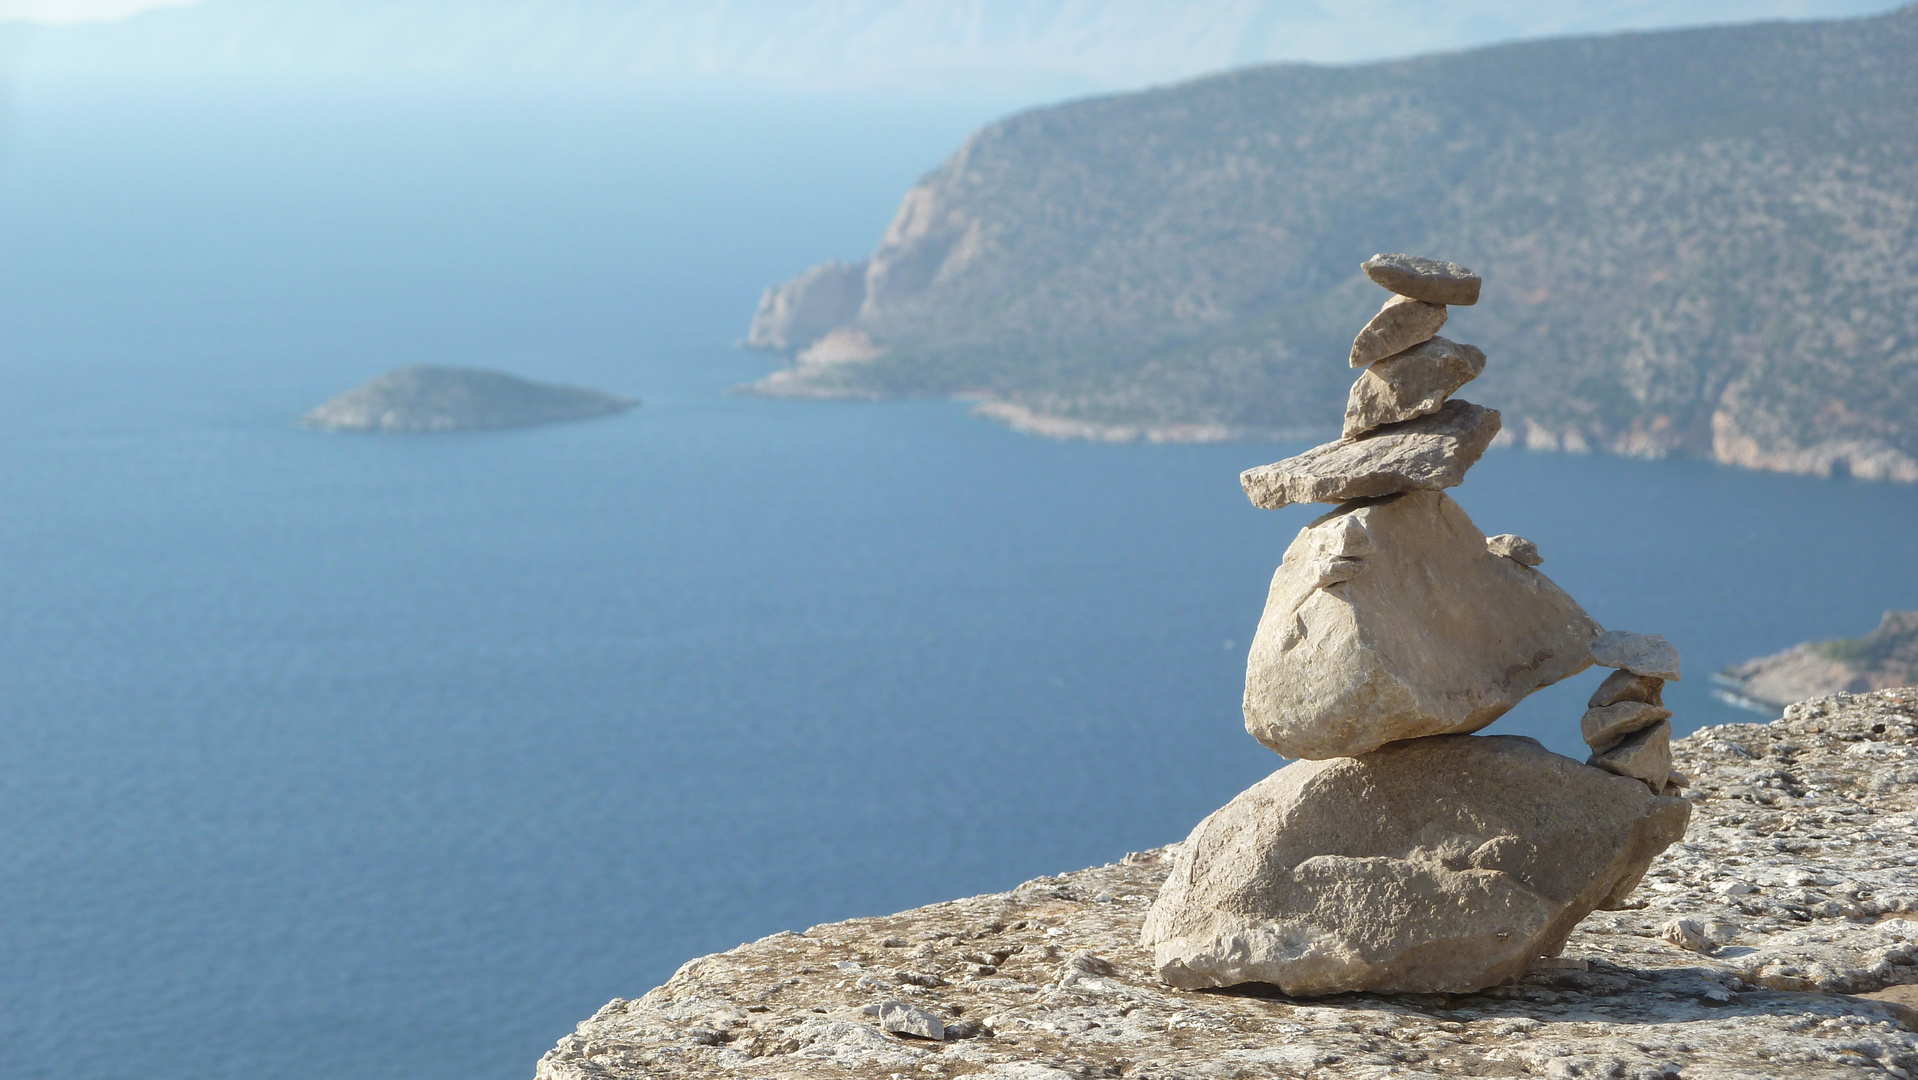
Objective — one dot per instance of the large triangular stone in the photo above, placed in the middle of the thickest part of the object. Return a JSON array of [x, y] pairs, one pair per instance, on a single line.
[[1389, 619]]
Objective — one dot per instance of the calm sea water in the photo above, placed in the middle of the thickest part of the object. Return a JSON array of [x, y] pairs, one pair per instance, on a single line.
[[330, 756]]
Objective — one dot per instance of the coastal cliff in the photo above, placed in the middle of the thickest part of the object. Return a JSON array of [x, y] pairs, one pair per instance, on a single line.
[[1777, 939], [1886, 657], [1699, 242]]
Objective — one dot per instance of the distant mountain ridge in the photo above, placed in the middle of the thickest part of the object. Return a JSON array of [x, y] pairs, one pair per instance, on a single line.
[[1697, 242]]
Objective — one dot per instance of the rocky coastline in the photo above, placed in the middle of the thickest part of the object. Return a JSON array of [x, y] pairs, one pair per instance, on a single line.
[[1776, 939], [1884, 658]]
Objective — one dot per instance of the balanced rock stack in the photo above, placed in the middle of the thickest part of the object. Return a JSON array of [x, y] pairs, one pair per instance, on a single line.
[[1403, 853]]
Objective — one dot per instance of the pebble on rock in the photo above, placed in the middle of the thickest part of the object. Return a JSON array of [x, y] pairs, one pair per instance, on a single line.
[[1640, 654], [1626, 686], [1604, 727], [1426, 454], [903, 1019], [1402, 323], [1516, 548], [1410, 384], [1643, 755], [1431, 280]]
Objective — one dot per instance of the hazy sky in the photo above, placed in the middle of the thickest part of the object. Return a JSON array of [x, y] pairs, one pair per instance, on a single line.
[[1081, 44]]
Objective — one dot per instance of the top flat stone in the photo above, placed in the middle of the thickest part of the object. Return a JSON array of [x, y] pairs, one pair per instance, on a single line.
[[1640, 654], [1430, 280], [1426, 454]]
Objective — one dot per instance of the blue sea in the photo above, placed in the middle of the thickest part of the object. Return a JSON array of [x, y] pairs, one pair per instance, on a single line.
[[394, 757]]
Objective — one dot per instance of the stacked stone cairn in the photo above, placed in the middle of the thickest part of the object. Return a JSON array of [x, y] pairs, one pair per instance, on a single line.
[[1401, 853]]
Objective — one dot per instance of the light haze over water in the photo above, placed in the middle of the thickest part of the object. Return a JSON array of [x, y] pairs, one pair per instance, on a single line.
[[329, 756]]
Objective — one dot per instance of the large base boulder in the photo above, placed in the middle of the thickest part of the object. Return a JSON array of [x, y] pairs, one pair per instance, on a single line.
[[1440, 865], [1389, 619]]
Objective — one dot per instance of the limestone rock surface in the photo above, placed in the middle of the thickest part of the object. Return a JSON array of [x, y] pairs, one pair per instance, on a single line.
[[1441, 865], [1409, 384], [1431, 280], [1640, 654], [1427, 632], [1400, 324], [1516, 548], [1805, 885], [1426, 454]]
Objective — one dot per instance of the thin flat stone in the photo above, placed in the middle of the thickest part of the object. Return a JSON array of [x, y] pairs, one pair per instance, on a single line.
[[1431, 280], [1626, 686], [1640, 654], [1516, 548], [1645, 755], [1410, 384], [1427, 454], [1606, 726], [903, 1019], [1402, 323]]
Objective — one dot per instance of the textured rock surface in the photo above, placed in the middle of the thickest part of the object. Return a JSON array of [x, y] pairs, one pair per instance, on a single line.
[[1427, 633], [1434, 281], [1400, 324], [1604, 726], [1443, 864], [1426, 454], [1516, 548], [1410, 384], [1886, 657], [422, 398], [1800, 864], [1640, 654]]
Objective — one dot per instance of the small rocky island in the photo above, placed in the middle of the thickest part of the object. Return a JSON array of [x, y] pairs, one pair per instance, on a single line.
[[427, 397], [1886, 657]]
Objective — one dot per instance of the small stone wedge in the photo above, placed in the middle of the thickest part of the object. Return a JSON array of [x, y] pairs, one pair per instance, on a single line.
[[1426, 454], [1422, 631], [1431, 280], [1626, 686], [1604, 727], [1402, 323], [1644, 755], [1410, 384], [1441, 865]]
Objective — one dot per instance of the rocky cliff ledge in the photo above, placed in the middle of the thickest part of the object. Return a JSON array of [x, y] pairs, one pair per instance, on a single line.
[[1776, 940]]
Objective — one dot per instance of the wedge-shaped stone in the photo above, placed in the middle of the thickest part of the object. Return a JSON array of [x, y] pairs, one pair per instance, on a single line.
[[1606, 726], [1426, 454], [1410, 384], [1402, 323], [1424, 633], [1645, 755], [1640, 654], [1516, 548], [1626, 686], [1440, 865], [1431, 280]]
